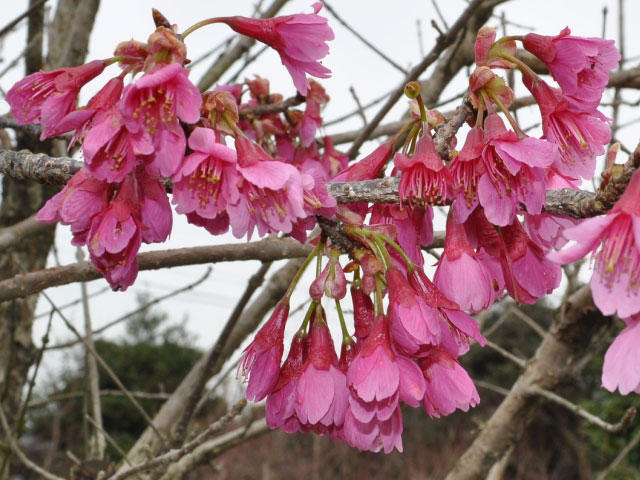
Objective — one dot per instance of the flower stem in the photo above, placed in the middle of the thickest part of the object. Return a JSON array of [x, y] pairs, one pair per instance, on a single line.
[[303, 328], [301, 270], [345, 333], [378, 307], [507, 113], [522, 66], [397, 248], [201, 24]]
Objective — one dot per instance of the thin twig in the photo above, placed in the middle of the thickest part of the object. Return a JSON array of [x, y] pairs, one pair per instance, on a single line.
[[529, 321], [103, 393], [9, 26], [108, 438], [622, 425], [174, 455], [354, 95], [521, 362], [628, 448], [106, 368], [364, 40]]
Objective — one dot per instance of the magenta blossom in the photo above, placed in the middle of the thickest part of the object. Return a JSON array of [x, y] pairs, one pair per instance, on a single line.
[[414, 324], [153, 104], [547, 230], [363, 312], [47, 97], [425, 178], [580, 136], [299, 39], [460, 265], [261, 359], [331, 281], [271, 193], [111, 150], [448, 386], [207, 180], [499, 171], [581, 66], [115, 236], [620, 369], [321, 390], [615, 283], [82, 198], [155, 211]]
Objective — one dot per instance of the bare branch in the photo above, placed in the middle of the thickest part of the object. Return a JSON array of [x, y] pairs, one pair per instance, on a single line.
[[622, 425], [174, 455], [18, 232], [628, 448]]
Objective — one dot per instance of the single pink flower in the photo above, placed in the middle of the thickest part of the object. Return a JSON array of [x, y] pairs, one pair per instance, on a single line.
[[331, 282], [111, 150], [620, 369], [207, 180], [614, 239], [115, 236], [261, 359], [215, 226], [363, 313], [414, 324], [499, 171], [580, 136], [375, 435], [299, 39], [547, 230], [316, 200], [280, 407], [528, 274], [156, 217], [462, 276], [321, 390], [311, 120], [448, 385], [153, 105], [424, 178], [580, 65], [271, 193], [81, 199], [47, 97]]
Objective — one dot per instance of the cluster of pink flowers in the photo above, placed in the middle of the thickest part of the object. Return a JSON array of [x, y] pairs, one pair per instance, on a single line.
[[160, 127], [406, 355]]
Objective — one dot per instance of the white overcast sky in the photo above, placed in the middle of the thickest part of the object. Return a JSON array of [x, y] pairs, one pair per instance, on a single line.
[[390, 26]]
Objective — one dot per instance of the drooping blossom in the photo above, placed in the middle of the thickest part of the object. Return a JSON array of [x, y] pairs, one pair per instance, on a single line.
[[456, 326], [280, 406], [261, 359], [620, 370], [207, 180], [271, 193], [363, 312], [47, 97], [580, 136], [321, 390], [153, 105], [460, 265], [547, 230], [581, 66], [500, 172], [448, 385], [528, 274], [83, 197], [425, 178], [300, 40], [115, 236], [155, 210], [311, 120], [374, 421], [111, 150], [331, 281], [614, 239], [414, 324]]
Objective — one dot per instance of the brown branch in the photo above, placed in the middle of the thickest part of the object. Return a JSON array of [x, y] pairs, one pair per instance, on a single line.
[[284, 105], [14, 234], [174, 455], [553, 363], [264, 250], [9, 26]]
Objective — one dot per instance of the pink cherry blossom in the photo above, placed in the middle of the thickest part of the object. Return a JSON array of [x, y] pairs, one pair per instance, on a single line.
[[82, 198], [332, 160], [311, 120], [580, 136], [207, 180], [547, 230], [300, 40], [111, 150], [448, 385], [580, 65], [499, 171], [620, 370], [155, 211], [153, 105], [280, 407], [363, 312], [460, 265], [614, 240], [424, 178], [414, 324], [115, 236], [47, 97], [261, 359], [271, 193], [331, 282]]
